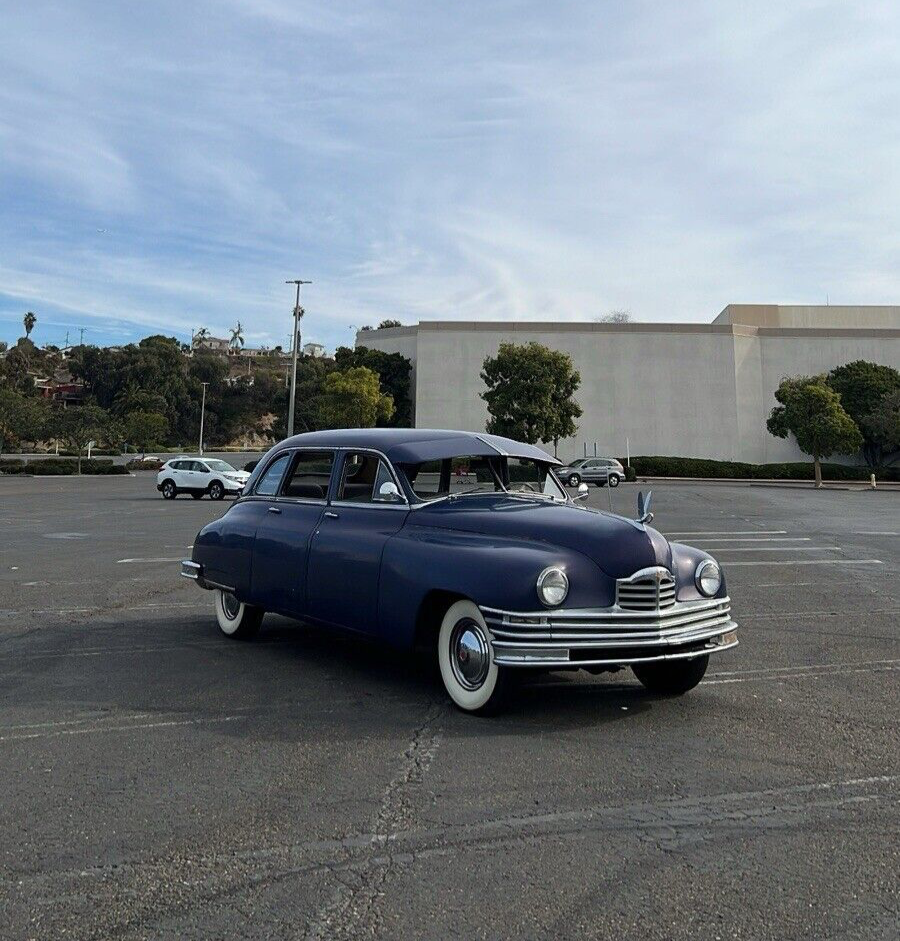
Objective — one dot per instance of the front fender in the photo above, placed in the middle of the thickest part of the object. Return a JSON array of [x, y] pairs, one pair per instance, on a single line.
[[495, 573], [685, 560]]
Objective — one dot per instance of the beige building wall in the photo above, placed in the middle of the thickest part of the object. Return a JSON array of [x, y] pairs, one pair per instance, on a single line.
[[689, 390]]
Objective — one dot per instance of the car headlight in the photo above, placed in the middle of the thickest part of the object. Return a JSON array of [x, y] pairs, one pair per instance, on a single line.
[[552, 586], [708, 578]]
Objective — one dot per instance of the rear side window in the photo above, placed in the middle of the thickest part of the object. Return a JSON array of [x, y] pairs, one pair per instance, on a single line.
[[270, 480], [309, 475]]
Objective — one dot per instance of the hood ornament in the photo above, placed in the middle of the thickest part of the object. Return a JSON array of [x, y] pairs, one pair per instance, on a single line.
[[643, 507]]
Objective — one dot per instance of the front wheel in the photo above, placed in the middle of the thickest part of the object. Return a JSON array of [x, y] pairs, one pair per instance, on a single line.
[[216, 491], [574, 480], [169, 490], [471, 677], [672, 677], [235, 618]]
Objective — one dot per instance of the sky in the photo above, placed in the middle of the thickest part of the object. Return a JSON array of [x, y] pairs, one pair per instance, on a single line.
[[165, 166]]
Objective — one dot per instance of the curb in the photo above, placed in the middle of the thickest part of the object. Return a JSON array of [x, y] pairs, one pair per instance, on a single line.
[[783, 484]]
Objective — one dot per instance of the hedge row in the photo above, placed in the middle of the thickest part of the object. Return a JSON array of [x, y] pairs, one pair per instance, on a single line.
[[61, 467], [799, 470]]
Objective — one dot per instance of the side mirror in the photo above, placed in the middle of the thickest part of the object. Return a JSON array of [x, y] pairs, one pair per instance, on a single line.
[[643, 508], [582, 492], [388, 493]]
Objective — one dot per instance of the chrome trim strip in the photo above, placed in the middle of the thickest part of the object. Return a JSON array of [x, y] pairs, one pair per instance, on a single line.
[[566, 642], [190, 569], [509, 661], [599, 615]]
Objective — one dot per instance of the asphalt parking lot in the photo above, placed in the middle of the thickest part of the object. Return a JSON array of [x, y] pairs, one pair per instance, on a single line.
[[160, 781]]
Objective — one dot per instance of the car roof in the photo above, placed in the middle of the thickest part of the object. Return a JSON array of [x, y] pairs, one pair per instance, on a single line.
[[413, 445]]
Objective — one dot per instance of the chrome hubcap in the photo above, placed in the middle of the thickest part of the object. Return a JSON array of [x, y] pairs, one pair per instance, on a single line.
[[469, 654], [230, 605]]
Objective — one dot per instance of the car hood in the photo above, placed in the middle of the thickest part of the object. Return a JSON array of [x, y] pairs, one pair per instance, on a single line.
[[619, 546]]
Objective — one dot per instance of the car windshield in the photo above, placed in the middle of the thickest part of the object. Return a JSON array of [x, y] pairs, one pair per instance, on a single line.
[[466, 474], [222, 466], [577, 462]]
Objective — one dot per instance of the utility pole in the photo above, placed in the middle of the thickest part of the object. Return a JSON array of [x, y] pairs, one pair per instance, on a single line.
[[81, 337], [298, 313], [202, 415]]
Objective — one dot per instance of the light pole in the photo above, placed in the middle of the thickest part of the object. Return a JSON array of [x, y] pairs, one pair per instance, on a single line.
[[298, 313], [202, 414]]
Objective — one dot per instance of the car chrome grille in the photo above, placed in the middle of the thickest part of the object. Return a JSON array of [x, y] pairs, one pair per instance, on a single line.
[[651, 593], [568, 635]]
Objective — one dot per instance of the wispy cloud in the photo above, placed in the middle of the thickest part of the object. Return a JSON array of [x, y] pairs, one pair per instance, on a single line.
[[169, 167]]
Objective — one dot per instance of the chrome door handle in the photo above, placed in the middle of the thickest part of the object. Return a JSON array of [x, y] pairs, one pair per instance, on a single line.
[[275, 509], [332, 516]]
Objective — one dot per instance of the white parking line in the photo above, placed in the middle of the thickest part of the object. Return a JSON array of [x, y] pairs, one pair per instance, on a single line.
[[142, 726], [742, 532], [780, 549], [706, 542], [732, 565], [120, 561], [803, 675], [877, 534]]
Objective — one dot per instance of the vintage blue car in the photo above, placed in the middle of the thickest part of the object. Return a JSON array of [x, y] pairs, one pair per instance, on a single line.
[[466, 545]]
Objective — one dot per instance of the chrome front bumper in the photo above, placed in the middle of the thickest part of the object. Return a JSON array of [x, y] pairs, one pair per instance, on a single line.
[[610, 636]]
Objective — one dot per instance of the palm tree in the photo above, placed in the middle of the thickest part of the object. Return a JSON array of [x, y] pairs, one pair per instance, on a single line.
[[237, 337], [29, 320]]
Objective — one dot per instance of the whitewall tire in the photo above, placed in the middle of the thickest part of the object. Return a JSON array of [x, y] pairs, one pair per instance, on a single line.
[[466, 659], [235, 618]]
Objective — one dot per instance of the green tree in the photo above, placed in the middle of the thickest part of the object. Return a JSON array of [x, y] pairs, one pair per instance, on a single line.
[[882, 426], [862, 386], [811, 411], [353, 399], [393, 371], [29, 320], [77, 425], [144, 429], [389, 323], [22, 418], [530, 393]]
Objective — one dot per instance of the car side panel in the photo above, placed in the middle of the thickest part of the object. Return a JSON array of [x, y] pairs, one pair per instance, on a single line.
[[497, 573]]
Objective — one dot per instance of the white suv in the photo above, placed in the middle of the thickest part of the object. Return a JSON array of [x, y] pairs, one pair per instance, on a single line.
[[198, 476]]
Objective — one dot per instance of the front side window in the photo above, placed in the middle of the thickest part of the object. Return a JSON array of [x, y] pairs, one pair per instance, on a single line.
[[271, 479], [362, 479], [309, 475]]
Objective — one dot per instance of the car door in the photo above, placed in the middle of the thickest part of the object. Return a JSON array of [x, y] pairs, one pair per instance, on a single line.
[[345, 555], [202, 475], [281, 546], [592, 471]]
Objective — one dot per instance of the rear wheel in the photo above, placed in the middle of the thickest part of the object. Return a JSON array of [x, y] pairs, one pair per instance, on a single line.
[[169, 490], [216, 490], [671, 677], [466, 659], [614, 480], [574, 480], [235, 618]]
